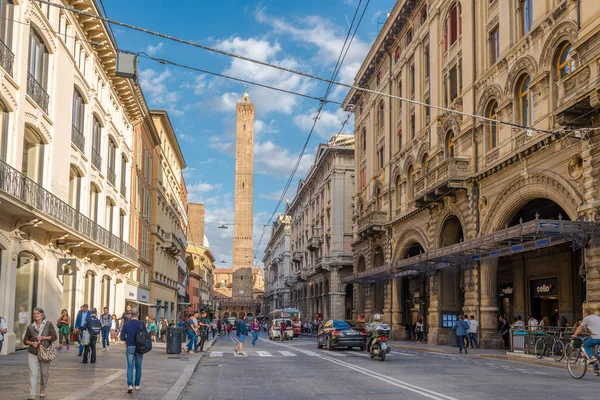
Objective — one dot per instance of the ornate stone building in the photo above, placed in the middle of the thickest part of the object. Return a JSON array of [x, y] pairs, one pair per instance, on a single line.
[[321, 233], [227, 304], [488, 212], [277, 261], [201, 275]]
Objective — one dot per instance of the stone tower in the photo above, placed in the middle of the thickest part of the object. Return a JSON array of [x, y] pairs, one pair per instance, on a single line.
[[244, 184]]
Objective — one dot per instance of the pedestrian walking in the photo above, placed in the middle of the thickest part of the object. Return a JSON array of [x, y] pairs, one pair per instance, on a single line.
[[203, 328], [129, 331], [23, 321], [94, 327], [163, 329], [461, 327], [105, 320], [3, 330], [64, 329], [39, 336], [114, 325], [229, 328], [255, 328], [473, 327], [219, 327], [82, 316], [282, 330], [419, 329], [242, 331], [126, 315], [192, 331], [505, 331], [153, 329]]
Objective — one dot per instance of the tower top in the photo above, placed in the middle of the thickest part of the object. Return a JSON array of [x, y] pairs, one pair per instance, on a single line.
[[245, 97]]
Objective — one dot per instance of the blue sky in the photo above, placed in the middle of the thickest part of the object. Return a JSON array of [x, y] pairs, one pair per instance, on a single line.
[[302, 35]]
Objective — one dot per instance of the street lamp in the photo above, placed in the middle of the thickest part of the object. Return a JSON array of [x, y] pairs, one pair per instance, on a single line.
[[223, 226]]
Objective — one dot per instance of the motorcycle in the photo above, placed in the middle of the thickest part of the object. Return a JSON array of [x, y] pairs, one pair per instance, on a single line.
[[377, 343]]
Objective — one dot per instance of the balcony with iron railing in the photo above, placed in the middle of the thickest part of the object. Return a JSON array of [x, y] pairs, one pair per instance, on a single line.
[[20, 188], [449, 175], [96, 159], [112, 176], [297, 256], [313, 243], [77, 138], [372, 223], [37, 93], [7, 58]]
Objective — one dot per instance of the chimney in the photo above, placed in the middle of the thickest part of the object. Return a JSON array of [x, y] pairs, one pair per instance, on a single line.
[[196, 223]]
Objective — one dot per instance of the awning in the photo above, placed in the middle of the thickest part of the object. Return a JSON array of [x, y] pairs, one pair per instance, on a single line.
[[526, 236], [183, 304], [142, 303]]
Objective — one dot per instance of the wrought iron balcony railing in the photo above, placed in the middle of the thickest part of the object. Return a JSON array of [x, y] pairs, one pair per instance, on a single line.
[[37, 93], [18, 186], [7, 58], [96, 159], [77, 138], [112, 177]]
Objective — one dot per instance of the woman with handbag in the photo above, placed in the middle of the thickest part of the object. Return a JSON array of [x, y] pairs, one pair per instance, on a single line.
[[64, 329], [39, 337]]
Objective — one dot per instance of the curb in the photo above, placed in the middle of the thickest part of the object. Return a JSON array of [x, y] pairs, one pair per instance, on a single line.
[[178, 387], [424, 349]]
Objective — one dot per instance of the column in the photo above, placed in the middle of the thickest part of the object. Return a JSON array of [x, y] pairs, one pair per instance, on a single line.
[[433, 319], [488, 317], [7, 293], [337, 297], [398, 332], [592, 278]]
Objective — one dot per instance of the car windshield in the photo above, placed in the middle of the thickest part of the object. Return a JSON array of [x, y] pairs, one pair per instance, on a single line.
[[341, 325]]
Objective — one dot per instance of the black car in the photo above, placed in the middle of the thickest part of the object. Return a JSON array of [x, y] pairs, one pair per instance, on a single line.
[[338, 333]]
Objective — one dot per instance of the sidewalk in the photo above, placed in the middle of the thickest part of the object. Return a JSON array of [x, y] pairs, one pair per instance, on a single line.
[[164, 375]]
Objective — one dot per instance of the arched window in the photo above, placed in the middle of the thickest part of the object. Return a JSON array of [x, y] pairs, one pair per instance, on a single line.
[[564, 62], [492, 126], [526, 16], [96, 143], [3, 131], [380, 116], [525, 101], [363, 139], [453, 26], [37, 78], [398, 192], [77, 137], [411, 182], [450, 145], [122, 216], [32, 165], [112, 155], [94, 202], [74, 187]]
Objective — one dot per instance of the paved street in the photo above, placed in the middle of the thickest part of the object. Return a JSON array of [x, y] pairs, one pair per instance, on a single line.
[[297, 370]]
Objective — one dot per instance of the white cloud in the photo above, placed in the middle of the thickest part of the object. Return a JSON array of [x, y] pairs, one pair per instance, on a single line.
[[262, 127], [155, 87], [272, 159], [197, 190], [186, 138], [188, 172], [276, 195], [153, 50], [222, 145], [207, 161], [329, 123]]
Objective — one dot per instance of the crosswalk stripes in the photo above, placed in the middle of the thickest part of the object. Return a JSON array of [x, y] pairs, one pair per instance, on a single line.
[[287, 354], [216, 354], [264, 354]]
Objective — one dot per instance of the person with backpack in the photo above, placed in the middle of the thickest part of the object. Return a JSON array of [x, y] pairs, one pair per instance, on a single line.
[[106, 321], [82, 317], [241, 331], [93, 326], [461, 327], [138, 342]]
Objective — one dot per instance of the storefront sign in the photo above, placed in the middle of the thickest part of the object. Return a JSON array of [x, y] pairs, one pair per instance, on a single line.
[[544, 287], [136, 293], [506, 290]]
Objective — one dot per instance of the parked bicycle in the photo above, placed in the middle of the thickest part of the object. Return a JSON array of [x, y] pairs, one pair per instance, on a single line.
[[562, 346], [578, 360], [544, 345]]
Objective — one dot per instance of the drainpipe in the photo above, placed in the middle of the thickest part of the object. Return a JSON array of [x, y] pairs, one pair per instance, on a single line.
[[391, 284], [578, 15], [476, 158]]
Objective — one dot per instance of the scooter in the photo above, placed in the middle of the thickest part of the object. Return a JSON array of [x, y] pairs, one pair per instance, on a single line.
[[378, 346]]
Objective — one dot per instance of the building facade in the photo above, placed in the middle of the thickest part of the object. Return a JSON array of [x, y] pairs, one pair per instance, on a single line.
[[451, 203], [66, 149], [167, 237], [201, 275], [277, 261], [227, 304], [321, 233]]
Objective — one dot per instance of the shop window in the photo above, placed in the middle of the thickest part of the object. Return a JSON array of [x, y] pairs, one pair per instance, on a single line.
[[3, 131], [450, 145], [526, 16], [565, 64], [525, 101], [26, 294], [494, 45], [453, 26], [492, 126], [32, 165]]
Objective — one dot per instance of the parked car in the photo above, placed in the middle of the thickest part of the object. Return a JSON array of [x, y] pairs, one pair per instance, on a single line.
[[274, 329], [339, 333]]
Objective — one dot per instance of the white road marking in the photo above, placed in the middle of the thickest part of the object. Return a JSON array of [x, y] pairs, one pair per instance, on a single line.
[[264, 354], [335, 354], [287, 354], [216, 354], [404, 354]]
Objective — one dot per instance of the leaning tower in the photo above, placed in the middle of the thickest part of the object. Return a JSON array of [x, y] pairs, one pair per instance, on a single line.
[[244, 184]]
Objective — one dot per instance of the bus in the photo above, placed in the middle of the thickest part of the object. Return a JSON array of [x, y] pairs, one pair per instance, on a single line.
[[291, 313]]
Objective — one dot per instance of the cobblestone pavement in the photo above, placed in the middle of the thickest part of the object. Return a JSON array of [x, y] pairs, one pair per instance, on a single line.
[[298, 370], [107, 379]]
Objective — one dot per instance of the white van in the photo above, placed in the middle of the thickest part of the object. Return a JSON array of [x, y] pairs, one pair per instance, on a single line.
[[274, 329]]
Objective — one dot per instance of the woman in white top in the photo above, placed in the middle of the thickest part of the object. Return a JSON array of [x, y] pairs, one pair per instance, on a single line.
[[419, 328], [113, 329]]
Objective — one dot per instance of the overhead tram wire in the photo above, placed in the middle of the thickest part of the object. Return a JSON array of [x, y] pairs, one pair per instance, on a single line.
[[289, 70], [316, 118], [184, 66]]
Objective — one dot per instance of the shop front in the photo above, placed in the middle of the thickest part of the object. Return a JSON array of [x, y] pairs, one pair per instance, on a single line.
[[138, 297]]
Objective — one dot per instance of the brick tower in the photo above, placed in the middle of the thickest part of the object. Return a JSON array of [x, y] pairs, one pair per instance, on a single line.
[[244, 184]]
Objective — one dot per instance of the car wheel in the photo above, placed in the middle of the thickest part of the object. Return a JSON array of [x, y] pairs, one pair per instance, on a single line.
[[319, 345], [329, 345]]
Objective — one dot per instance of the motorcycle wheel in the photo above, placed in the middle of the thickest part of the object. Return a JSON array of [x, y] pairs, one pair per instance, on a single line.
[[329, 346], [319, 345], [382, 356]]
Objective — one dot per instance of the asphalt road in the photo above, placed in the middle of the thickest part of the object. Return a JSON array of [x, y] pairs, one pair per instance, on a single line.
[[298, 370]]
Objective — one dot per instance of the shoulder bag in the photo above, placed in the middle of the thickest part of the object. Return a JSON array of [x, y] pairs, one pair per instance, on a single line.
[[46, 354]]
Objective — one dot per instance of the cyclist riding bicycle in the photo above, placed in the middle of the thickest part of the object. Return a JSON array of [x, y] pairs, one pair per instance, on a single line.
[[592, 323]]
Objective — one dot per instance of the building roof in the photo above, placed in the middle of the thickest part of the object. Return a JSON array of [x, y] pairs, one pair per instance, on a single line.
[[164, 116]]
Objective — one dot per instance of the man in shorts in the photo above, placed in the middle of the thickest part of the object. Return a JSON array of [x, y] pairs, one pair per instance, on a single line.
[[242, 332]]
